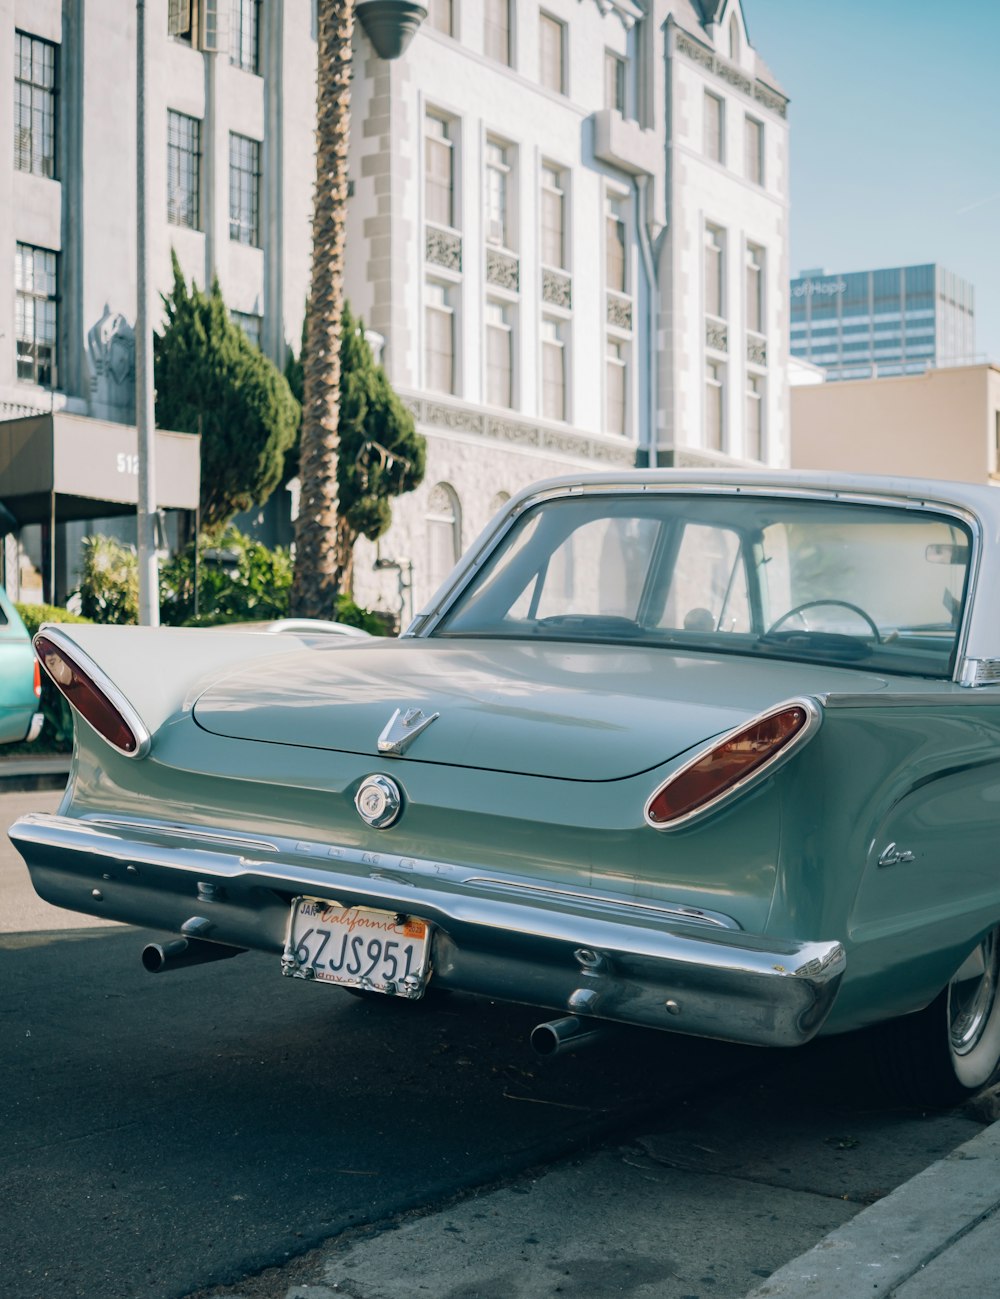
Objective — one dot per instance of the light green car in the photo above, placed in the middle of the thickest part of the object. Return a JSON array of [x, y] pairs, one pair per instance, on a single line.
[[711, 753], [20, 682]]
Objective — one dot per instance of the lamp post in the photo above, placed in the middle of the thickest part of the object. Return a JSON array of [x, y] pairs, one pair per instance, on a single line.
[[390, 24], [145, 515]]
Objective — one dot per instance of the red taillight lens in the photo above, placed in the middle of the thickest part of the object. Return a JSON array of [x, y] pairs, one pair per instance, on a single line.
[[38, 680], [724, 766], [90, 702]]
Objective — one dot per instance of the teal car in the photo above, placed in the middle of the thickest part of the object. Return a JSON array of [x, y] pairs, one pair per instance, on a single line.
[[20, 680], [712, 753]]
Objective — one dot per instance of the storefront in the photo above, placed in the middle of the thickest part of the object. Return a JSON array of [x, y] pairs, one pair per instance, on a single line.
[[58, 469]]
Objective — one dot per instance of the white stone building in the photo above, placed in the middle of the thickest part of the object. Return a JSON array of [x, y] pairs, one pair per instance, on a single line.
[[568, 226]]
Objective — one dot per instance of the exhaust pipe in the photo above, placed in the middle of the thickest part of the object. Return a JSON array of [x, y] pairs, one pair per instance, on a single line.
[[184, 951], [560, 1036]]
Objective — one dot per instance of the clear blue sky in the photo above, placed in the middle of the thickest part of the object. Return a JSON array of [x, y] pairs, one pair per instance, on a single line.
[[895, 135]]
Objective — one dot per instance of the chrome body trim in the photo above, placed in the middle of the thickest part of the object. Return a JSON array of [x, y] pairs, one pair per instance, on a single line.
[[979, 672], [70, 650], [35, 727], [669, 972], [689, 915], [402, 729], [814, 716]]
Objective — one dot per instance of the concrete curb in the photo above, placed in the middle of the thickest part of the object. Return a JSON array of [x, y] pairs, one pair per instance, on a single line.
[[886, 1247], [29, 773]]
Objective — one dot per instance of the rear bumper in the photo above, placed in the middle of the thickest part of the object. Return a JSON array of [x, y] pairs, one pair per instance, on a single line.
[[513, 941]]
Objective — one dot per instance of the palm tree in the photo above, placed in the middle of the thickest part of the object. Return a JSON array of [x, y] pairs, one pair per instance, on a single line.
[[318, 566]]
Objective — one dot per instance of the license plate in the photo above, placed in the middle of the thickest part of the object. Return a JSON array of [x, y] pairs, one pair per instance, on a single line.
[[357, 947]]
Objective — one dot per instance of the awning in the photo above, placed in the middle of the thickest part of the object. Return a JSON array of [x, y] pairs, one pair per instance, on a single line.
[[89, 468]]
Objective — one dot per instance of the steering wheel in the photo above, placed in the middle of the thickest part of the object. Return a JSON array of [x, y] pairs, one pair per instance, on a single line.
[[842, 604]]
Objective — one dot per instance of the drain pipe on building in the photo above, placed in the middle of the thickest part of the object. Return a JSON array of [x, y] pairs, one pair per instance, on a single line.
[[652, 301]]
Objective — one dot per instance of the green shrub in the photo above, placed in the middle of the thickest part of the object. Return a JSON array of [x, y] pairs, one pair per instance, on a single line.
[[239, 580], [57, 731], [354, 616], [109, 580]]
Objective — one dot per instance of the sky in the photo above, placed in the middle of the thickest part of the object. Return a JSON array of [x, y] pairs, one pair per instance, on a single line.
[[895, 136]]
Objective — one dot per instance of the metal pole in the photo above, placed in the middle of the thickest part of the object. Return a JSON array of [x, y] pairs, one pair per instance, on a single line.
[[149, 594]]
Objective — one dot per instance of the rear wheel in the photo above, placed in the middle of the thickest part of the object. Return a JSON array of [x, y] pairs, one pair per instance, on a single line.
[[946, 1053]]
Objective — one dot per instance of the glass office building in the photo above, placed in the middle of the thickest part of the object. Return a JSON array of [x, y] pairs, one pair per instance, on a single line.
[[868, 324]]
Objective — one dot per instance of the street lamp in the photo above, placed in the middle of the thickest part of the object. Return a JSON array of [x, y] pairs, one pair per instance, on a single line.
[[390, 24], [145, 424]]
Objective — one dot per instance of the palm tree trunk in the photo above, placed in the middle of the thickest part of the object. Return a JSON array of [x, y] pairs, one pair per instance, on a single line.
[[318, 565]]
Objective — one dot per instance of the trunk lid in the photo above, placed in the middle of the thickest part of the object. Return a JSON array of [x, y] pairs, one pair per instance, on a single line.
[[569, 711]]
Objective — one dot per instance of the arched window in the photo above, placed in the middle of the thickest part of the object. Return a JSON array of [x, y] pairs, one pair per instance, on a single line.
[[734, 38], [444, 533]]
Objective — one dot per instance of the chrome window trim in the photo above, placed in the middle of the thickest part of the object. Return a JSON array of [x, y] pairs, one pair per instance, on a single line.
[[79, 658], [427, 619], [671, 911], [814, 716]]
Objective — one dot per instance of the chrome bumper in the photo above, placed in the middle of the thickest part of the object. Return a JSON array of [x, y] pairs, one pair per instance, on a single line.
[[682, 970]]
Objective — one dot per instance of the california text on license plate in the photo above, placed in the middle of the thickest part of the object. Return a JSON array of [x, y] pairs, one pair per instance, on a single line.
[[357, 947]]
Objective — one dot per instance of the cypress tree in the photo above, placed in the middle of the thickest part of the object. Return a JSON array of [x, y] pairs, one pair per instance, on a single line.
[[210, 379]]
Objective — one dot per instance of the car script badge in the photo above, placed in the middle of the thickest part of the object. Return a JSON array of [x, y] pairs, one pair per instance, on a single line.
[[378, 801], [402, 729]]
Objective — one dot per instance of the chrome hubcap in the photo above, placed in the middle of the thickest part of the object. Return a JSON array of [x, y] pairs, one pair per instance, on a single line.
[[971, 995]]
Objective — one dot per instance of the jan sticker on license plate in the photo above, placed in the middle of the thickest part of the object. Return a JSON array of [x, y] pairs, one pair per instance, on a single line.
[[357, 947]]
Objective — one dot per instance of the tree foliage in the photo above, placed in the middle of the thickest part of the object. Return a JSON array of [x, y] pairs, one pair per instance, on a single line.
[[239, 580], [109, 580], [381, 454], [210, 379]]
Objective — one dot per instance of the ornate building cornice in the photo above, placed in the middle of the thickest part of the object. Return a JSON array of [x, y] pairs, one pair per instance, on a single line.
[[509, 429], [706, 58]]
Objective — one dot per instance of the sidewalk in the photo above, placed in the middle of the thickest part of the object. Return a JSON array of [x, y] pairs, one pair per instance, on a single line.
[[599, 1226], [25, 771], [936, 1235]]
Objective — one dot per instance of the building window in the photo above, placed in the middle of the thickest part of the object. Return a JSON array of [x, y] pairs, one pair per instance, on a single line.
[[715, 285], [497, 187], [244, 190], [754, 449], [499, 355], [196, 22], [715, 119], [496, 33], [34, 105], [249, 323], [183, 170], [614, 81], [553, 370], [617, 385], [439, 171], [439, 322], [244, 35], [755, 288], [715, 390], [552, 53], [35, 314], [444, 533], [553, 217], [753, 140], [441, 16], [734, 38], [616, 270]]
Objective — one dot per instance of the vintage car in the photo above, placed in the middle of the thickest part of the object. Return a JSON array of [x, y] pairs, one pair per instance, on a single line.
[[710, 752], [20, 680]]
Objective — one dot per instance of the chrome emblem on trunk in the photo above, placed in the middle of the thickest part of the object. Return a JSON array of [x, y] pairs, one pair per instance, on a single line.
[[378, 801], [403, 728]]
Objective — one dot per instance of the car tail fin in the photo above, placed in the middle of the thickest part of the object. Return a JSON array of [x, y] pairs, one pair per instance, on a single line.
[[92, 694]]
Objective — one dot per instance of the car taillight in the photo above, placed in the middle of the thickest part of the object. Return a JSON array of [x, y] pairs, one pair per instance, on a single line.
[[92, 695], [38, 680], [726, 768]]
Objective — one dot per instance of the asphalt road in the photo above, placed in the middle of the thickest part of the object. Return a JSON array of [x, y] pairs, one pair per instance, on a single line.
[[163, 1133]]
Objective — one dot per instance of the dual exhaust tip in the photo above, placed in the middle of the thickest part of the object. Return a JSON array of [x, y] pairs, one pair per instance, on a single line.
[[181, 952], [556, 1037]]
